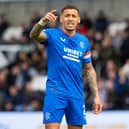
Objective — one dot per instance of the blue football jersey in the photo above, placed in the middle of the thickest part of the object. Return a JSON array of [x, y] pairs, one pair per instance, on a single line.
[[65, 56]]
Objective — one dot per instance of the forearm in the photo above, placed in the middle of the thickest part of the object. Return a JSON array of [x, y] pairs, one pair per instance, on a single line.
[[35, 32], [92, 80]]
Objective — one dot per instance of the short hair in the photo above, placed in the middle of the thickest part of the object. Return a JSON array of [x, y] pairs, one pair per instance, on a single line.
[[70, 7]]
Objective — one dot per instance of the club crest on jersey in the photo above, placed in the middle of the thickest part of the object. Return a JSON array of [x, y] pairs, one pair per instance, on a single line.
[[82, 44]]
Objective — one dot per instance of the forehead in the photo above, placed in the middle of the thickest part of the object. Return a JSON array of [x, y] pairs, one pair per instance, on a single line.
[[70, 11]]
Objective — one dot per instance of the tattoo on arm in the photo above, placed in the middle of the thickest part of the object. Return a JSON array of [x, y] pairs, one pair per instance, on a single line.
[[35, 32], [91, 78]]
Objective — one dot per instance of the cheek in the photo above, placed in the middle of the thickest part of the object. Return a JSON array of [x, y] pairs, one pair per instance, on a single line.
[[62, 20], [77, 22]]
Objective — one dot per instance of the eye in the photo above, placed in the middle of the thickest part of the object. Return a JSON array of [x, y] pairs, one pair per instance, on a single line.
[[67, 15], [74, 16]]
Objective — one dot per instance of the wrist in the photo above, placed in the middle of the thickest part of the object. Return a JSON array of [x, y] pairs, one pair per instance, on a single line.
[[42, 23], [95, 95]]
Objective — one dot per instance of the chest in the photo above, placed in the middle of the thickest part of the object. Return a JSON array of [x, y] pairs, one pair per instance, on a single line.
[[69, 46]]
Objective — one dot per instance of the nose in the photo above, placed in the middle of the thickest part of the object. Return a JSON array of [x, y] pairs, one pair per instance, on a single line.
[[70, 17]]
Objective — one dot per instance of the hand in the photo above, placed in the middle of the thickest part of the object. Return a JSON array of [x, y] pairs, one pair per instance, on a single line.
[[50, 17], [97, 105]]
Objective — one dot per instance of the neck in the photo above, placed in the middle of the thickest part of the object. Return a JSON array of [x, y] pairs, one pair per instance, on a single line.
[[69, 32]]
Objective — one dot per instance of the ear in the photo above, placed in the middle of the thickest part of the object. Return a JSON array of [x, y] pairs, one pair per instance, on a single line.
[[79, 20], [60, 19]]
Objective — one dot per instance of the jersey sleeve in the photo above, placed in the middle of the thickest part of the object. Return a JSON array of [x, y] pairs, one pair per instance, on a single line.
[[47, 32], [87, 55]]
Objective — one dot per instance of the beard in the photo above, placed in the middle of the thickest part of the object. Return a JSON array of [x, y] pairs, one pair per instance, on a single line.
[[70, 29]]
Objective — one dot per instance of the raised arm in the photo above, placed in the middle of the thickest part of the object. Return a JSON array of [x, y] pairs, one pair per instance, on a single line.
[[91, 78], [36, 32]]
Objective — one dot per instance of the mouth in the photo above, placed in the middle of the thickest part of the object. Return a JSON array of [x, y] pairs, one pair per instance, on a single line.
[[70, 24]]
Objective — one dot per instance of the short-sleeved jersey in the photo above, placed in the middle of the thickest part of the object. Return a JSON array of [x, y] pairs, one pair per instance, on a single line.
[[65, 56]]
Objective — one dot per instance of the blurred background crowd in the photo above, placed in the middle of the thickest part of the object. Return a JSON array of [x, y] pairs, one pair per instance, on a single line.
[[21, 67]]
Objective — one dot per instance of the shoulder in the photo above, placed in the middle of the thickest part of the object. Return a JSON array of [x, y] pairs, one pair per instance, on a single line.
[[82, 38], [51, 32]]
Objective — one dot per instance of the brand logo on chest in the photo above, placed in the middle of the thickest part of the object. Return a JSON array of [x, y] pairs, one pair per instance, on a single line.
[[62, 39]]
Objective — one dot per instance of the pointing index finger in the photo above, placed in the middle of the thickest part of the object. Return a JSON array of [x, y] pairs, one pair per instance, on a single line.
[[53, 11]]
